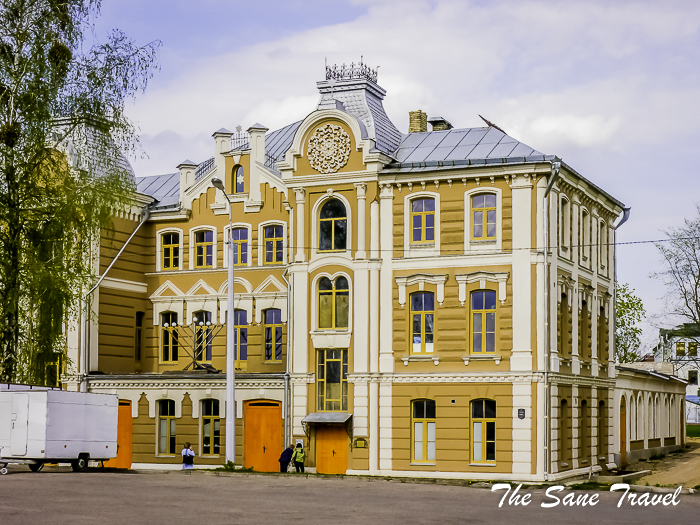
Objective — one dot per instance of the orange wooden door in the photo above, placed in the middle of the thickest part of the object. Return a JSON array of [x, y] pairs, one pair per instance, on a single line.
[[263, 438], [125, 425], [623, 433], [331, 449]]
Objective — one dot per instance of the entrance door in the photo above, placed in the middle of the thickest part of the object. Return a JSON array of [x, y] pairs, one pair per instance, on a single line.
[[20, 422], [263, 435], [623, 432], [125, 426], [331, 449]]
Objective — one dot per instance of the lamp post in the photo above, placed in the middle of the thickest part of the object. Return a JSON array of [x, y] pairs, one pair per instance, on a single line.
[[230, 339]]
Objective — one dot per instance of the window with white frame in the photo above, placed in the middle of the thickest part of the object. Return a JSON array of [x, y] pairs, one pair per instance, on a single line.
[[565, 225]]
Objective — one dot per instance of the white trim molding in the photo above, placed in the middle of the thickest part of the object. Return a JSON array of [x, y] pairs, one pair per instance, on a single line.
[[159, 247], [316, 217], [423, 249], [191, 243], [261, 241], [421, 279], [471, 246], [237, 225], [167, 303], [500, 278]]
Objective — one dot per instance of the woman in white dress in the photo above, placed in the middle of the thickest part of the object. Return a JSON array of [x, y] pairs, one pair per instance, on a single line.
[[187, 457]]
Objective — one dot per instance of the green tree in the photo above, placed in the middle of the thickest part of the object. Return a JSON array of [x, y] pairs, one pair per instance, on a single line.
[[629, 312], [63, 170]]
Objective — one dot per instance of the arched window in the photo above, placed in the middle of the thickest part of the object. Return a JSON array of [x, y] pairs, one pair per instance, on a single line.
[[240, 246], [273, 334], [423, 427], [422, 322], [211, 427], [483, 430], [650, 420], [584, 333], [274, 244], [240, 341], [333, 303], [166, 426], [170, 244], [238, 180], [423, 220], [671, 413], [633, 419], [203, 249], [640, 418], [483, 327], [169, 337], [484, 216], [333, 227], [203, 335]]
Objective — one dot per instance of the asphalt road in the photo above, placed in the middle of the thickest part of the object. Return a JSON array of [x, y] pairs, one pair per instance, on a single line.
[[124, 498]]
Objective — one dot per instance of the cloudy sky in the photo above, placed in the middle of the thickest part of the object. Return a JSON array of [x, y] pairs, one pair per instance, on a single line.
[[611, 87]]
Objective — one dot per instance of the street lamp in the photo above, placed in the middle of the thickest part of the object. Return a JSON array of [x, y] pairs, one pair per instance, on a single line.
[[230, 339]]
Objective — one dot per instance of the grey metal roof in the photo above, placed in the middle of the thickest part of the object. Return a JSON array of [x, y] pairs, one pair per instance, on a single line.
[[164, 188], [276, 143], [327, 417], [363, 100], [465, 146]]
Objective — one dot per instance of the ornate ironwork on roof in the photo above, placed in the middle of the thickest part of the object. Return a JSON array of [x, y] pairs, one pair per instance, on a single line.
[[204, 168], [351, 72]]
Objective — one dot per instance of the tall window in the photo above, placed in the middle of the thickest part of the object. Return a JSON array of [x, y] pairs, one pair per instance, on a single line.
[[584, 424], [680, 348], [240, 342], [333, 303], [602, 337], [240, 246], [584, 332], [204, 249], [238, 180], [423, 425], [166, 426], [170, 244], [483, 321], [333, 227], [273, 334], [423, 220], [484, 216], [138, 335], [168, 322], [483, 430], [203, 336], [422, 325], [332, 382], [585, 235], [274, 244], [211, 427], [602, 430]]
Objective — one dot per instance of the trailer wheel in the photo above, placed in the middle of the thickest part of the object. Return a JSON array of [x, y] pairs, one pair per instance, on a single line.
[[79, 464], [3, 471], [36, 467]]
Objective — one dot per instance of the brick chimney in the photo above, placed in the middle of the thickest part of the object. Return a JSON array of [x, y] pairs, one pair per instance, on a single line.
[[417, 122]]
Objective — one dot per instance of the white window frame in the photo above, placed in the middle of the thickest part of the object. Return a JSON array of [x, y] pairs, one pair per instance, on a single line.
[[423, 249], [316, 218], [585, 237], [330, 338], [159, 248], [214, 246], [261, 241], [471, 246], [238, 225]]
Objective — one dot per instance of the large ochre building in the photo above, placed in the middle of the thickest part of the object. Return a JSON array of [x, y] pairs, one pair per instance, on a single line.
[[396, 308]]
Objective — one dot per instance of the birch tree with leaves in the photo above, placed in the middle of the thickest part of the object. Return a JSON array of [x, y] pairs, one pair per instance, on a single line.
[[64, 140]]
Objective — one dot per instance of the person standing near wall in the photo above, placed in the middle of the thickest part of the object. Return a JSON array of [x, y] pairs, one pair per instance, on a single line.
[[187, 457], [298, 458], [286, 457]]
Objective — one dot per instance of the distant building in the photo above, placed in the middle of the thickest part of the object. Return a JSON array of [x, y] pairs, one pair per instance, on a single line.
[[679, 346]]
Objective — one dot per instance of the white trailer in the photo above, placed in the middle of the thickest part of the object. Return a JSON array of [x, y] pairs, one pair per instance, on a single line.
[[55, 426]]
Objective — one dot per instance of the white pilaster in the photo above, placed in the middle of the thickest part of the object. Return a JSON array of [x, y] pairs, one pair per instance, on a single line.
[[300, 194], [522, 280], [361, 197], [522, 428]]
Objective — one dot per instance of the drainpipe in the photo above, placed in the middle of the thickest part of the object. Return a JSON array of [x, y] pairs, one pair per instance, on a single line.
[[625, 217], [287, 392], [84, 358], [556, 166]]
